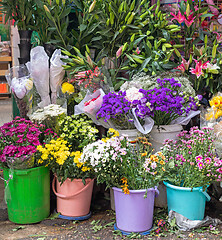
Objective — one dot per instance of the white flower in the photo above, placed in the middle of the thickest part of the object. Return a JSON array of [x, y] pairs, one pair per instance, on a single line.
[[133, 94], [212, 66]]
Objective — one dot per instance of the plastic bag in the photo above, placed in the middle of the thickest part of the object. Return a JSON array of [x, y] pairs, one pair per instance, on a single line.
[[39, 69], [186, 224], [57, 73], [21, 85]]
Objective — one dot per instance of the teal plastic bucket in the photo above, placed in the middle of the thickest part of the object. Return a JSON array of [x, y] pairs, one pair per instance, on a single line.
[[187, 201]]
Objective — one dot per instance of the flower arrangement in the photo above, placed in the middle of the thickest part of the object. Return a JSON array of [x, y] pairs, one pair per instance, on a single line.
[[77, 130], [117, 108], [49, 116], [165, 103], [63, 162], [215, 110], [119, 163], [147, 82], [18, 142], [191, 160]]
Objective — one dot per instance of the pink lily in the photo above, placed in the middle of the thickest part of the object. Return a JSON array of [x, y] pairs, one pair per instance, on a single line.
[[197, 70], [201, 65], [180, 18], [189, 23], [186, 64], [119, 52], [218, 37], [181, 68]]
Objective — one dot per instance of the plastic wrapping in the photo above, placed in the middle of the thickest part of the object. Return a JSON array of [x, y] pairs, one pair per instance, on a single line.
[[186, 224], [21, 85], [23, 162], [57, 73], [212, 117], [39, 69], [91, 104]]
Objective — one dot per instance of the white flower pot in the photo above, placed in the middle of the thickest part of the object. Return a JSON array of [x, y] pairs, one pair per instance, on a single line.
[[159, 134], [132, 134]]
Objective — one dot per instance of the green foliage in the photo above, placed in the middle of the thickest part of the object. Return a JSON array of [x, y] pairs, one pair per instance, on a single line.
[[150, 49], [21, 11], [52, 20]]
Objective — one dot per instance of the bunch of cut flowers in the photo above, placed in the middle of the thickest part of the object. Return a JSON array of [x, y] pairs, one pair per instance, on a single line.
[[167, 103], [49, 116], [64, 162], [78, 130], [191, 161], [18, 143], [119, 163]]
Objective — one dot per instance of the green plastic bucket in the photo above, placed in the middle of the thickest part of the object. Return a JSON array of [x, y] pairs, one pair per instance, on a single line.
[[27, 194], [186, 201]]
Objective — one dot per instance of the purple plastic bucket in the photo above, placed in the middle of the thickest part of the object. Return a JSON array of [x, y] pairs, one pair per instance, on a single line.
[[134, 213]]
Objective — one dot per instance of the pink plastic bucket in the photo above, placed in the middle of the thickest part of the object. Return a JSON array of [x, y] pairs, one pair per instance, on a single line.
[[134, 213], [73, 197]]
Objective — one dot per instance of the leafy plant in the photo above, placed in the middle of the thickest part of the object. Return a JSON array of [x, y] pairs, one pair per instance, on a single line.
[[22, 12], [53, 21], [150, 49]]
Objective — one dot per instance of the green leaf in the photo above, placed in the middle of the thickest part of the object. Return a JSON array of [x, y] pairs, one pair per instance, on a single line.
[[82, 27]]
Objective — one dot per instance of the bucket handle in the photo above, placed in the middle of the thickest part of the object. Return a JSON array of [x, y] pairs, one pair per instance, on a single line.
[[73, 195], [205, 194], [157, 192]]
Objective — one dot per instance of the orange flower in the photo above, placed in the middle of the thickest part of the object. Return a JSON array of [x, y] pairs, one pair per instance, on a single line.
[[144, 154], [124, 180]]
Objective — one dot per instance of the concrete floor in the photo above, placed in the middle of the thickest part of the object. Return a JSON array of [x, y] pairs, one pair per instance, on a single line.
[[5, 110]]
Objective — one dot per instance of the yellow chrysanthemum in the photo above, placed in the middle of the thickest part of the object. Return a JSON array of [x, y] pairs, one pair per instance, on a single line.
[[68, 88], [85, 169], [115, 132], [216, 101]]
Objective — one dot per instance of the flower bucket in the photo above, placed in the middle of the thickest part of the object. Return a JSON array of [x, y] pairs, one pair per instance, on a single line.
[[187, 201], [73, 197], [134, 213], [27, 194], [159, 134], [132, 134]]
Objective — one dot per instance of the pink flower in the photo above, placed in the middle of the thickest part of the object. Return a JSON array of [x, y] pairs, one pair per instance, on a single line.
[[119, 52], [180, 18], [200, 165], [181, 68], [218, 37], [208, 160], [186, 64], [189, 23], [199, 158], [137, 50], [197, 70]]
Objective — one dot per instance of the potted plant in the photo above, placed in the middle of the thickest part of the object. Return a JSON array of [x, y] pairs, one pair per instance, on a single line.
[[74, 178], [191, 166], [169, 107], [27, 185], [133, 173], [22, 12]]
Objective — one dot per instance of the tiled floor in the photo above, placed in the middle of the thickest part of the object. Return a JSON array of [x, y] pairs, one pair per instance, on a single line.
[[5, 110]]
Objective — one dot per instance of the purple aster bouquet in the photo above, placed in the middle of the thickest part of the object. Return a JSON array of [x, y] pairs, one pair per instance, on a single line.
[[191, 161], [117, 108], [18, 143], [166, 104]]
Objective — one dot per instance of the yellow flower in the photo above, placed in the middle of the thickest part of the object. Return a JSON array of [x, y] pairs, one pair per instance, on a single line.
[[216, 101], [163, 169], [144, 154], [162, 162], [79, 164], [115, 132], [85, 169], [67, 88], [218, 114]]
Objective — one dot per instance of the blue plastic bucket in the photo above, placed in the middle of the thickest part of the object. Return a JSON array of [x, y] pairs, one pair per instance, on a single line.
[[187, 201]]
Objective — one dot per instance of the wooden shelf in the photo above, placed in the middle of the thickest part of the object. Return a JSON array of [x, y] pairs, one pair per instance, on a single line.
[[2, 72], [5, 58]]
